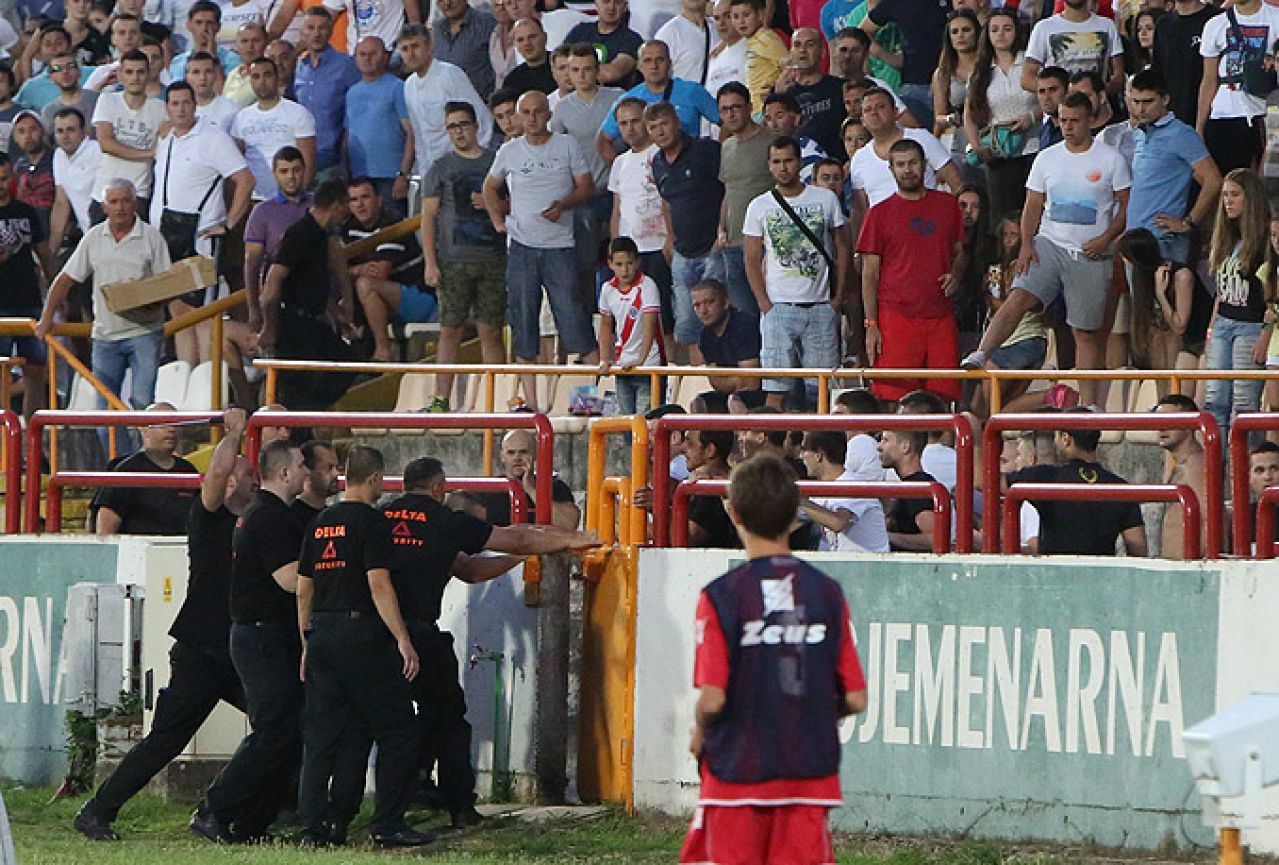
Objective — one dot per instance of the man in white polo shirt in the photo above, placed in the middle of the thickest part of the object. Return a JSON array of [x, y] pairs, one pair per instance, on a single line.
[[269, 124], [75, 164]]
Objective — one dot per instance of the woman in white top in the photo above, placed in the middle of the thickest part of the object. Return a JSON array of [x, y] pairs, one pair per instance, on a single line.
[[955, 67], [1000, 118]]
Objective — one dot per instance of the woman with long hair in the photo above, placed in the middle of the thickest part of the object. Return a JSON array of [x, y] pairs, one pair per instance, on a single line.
[[1139, 43], [1169, 312], [950, 79], [1000, 119], [1240, 244]]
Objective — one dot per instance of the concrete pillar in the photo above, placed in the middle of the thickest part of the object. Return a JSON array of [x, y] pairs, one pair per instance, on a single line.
[[551, 718]]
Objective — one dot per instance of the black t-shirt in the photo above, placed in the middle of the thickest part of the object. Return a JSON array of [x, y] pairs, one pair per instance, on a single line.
[[426, 538], [709, 514], [1079, 528], [146, 510], [302, 251], [305, 512], [341, 546], [404, 254], [524, 78], [901, 516], [609, 46], [740, 340], [94, 49], [1241, 295], [1176, 58], [923, 23], [268, 537], [498, 505], [20, 227], [822, 105], [692, 191], [205, 617]]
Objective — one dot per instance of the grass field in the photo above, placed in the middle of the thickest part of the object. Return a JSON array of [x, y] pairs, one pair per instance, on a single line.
[[155, 833]]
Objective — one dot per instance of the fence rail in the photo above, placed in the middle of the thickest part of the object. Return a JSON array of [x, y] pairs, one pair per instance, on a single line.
[[11, 450]]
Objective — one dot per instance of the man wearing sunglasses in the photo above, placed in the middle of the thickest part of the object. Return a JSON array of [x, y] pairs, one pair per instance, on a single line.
[[64, 71]]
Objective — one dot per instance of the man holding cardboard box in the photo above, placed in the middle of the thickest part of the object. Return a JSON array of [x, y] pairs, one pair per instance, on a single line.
[[121, 249]]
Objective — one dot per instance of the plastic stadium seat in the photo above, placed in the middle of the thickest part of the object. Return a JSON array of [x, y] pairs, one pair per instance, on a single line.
[[83, 396], [1145, 395], [1117, 399], [199, 392], [690, 386], [171, 382]]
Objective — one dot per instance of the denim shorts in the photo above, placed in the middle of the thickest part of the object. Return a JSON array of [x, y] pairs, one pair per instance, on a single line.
[[1023, 354], [528, 270], [29, 348]]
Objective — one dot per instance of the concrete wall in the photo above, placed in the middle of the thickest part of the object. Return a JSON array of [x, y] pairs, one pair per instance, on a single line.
[[1008, 698]]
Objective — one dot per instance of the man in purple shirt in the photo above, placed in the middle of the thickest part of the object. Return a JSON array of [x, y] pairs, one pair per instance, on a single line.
[[322, 77]]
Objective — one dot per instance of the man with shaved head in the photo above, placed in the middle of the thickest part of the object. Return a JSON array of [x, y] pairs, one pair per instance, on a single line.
[[692, 103], [820, 96], [534, 72], [519, 463], [147, 510]]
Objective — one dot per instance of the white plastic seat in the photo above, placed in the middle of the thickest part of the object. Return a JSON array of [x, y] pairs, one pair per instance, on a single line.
[[199, 392], [1144, 397], [171, 382]]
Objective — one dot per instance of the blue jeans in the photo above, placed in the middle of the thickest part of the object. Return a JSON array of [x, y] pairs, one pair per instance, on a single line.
[[798, 336], [739, 287], [1231, 348], [529, 269], [112, 358], [635, 394], [685, 273], [919, 99]]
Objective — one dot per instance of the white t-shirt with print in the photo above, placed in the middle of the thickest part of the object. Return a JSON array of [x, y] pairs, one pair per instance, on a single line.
[[728, 65], [1083, 47], [639, 205], [1259, 31], [220, 112], [234, 17], [383, 18], [264, 133], [872, 175], [1080, 192], [867, 530], [133, 129], [794, 270], [628, 309]]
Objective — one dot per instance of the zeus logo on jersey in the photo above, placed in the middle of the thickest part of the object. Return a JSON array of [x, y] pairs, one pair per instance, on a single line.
[[757, 633]]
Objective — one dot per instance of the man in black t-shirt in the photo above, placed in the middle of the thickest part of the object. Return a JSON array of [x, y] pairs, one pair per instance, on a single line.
[[820, 96], [910, 521], [322, 482], [729, 338], [148, 510], [429, 543], [200, 670], [359, 659], [518, 456], [1083, 528], [1176, 55], [708, 523], [23, 240], [266, 650]]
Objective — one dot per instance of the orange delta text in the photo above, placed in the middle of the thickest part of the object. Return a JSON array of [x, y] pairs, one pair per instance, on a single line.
[[408, 542], [330, 531], [332, 564], [415, 516]]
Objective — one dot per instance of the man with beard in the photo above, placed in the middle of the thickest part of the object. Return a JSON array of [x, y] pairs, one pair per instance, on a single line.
[[321, 463]]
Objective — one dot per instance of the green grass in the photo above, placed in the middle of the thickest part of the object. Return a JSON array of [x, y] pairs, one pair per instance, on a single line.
[[155, 833]]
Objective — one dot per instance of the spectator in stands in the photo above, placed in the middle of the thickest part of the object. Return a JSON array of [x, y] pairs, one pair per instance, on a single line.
[[728, 58], [819, 95], [847, 524], [792, 243], [204, 20], [751, 442], [950, 80], [389, 282], [387, 19], [912, 248], [547, 176], [64, 71], [765, 51], [1072, 230], [630, 328], [24, 268], [322, 480], [461, 36], [869, 173], [938, 457], [850, 59], [910, 520], [559, 70], [1051, 84], [126, 36], [502, 105], [1185, 466], [1230, 104], [686, 172], [782, 118], [1176, 55], [321, 82], [1078, 40], [1032, 449], [861, 456], [691, 37], [268, 222], [502, 54], [679, 460], [429, 86], [691, 101], [708, 522], [1263, 473], [518, 456], [249, 42], [922, 25], [269, 124], [90, 45], [121, 248], [148, 510], [743, 169], [1107, 126], [618, 45], [75, 164], [535, 71], [32, 158], [465, 257], [127, 125], [729, 339], [1089, 528], [376, 148], [301, 319]]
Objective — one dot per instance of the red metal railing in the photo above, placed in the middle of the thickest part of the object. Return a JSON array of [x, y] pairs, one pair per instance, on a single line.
[[845, 423], [12, 451], [55, 419], [1239, 429], [992, 444], [1265, 522], [539, 424], [859, 489], [1181, 494]]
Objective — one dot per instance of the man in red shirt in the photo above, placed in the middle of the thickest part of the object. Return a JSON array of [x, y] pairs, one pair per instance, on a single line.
[[768, 710], [912, 248]]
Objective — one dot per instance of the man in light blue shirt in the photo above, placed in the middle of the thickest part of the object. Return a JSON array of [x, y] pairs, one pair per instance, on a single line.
[[1168, 155], [321, 81], [692, 103], [376, 148], [204, 19]]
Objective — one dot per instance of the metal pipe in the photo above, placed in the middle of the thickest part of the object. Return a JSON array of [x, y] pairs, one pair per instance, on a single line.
[[12, 447], [1265, 523]]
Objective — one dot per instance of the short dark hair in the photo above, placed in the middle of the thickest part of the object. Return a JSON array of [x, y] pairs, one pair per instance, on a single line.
[[830, 443], [1179, 401], [908, 145], [564, 51], [501, 96], [584, 49], [921, 402], [721, 439], [1094, 79], [1149, 79], [362, 463], [204, 6], [776, 437], [710, 284], [880, 91], [764, 496], [630, 102], [734, 88], [456, 106], [264, 61], [135, 56], [917, 439], [10, 77], [288, 153], [757, 5], [178, 87], [309, 448], [413, 31], [785, 142], [1266, 447], [275, 456], [422, 472], [1086, 440], [786, 100], [330, 193], [656, 109], [1061, 76], [1078, 101], [855, 33], [860, 400], [362, 180], [203, 55], [52, 27], [623, 245], [70, 111], [827, 162]]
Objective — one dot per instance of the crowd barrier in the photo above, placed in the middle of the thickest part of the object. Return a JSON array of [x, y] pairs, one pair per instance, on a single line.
[[11, 453], [852, 489], [1266, 522], [1181, 494], [7, 366], [601, 492], [1240, 427]]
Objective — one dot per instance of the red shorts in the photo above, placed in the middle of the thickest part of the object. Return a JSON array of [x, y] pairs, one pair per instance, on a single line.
[[917, 343], [758, 835]]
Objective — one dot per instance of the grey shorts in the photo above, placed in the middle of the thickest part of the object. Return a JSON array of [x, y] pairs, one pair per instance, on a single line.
[[1084, 282]]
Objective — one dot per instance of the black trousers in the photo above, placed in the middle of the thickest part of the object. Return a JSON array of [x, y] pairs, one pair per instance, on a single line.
[[199, 678], [307, 337], [355, 689], [1235, 142], [250, 791], [445, 732]]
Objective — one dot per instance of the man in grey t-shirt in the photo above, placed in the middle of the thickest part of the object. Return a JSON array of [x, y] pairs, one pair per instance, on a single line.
[[547, 176], [743, 169], [465, 256]]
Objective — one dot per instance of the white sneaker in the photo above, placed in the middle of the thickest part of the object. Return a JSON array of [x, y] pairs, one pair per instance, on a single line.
[[975, 360]]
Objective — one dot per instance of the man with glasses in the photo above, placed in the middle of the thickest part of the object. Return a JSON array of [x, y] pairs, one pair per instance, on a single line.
[[64, 71], [743, 169]]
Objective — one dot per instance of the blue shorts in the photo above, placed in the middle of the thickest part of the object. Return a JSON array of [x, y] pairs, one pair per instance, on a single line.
[[33, 350], [1023, 354], [416, 306]]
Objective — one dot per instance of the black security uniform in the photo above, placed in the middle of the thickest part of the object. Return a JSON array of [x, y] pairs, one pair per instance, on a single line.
[[354, 675], [148, 510], [427, 537], [266, 650], [200, 668]]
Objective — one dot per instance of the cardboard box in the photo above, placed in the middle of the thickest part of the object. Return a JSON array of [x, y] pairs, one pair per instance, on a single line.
[[189, 274]]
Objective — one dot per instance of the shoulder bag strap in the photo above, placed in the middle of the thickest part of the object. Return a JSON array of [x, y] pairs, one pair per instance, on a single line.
[[803, 227], [706, 52]]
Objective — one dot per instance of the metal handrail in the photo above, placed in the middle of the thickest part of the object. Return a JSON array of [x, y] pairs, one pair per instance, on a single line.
[[598, 433], [1240, 426], [12, 450], [1182, 494], [1265, 522]]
